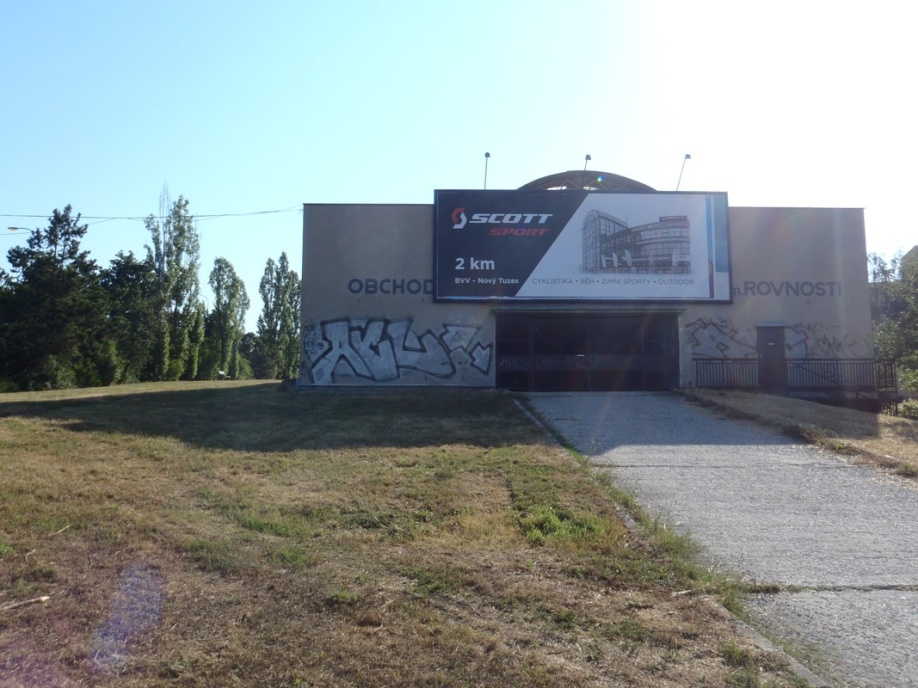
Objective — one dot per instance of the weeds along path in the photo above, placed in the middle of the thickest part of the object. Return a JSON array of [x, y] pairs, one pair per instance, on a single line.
[[838, 540]]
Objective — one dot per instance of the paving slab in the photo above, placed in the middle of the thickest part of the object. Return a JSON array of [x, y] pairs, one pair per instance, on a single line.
[[841, 538], [856, 637]]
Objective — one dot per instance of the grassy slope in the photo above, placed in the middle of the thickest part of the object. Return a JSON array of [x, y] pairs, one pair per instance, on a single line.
[[887, 441], [228, 534]]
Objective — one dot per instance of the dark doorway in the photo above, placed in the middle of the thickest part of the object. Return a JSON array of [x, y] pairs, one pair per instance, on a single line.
[[772, 359], [587, 353]]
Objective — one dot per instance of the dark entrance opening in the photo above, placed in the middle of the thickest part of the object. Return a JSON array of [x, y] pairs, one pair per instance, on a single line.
[[542, 353]]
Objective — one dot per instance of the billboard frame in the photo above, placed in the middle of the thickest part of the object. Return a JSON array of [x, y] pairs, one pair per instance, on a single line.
[[532, 246]]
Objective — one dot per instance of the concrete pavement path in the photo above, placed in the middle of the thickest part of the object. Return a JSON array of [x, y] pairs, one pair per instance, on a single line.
[[842, 540]]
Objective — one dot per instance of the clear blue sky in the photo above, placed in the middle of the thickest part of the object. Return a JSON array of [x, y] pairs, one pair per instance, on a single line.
[[246, 107]]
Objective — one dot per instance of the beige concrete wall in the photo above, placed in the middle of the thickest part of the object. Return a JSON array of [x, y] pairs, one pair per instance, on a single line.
[[368, 313], [803, 268], [369, 316]]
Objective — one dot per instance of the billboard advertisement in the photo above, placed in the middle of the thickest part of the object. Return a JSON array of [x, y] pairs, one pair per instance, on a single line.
[[579, 245]]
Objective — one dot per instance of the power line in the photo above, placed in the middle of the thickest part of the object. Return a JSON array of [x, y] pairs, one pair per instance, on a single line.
[[196, 216], [295, 208]]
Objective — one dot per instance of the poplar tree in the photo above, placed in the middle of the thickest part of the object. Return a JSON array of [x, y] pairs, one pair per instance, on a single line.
[[228, 316], [279, 323], [175, 257], [291, 322]]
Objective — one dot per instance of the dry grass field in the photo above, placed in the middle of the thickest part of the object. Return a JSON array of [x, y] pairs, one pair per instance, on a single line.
[[230, 534]]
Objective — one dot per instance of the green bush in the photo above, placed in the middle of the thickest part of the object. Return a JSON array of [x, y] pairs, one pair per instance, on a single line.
[[909, 409], [8, 386]]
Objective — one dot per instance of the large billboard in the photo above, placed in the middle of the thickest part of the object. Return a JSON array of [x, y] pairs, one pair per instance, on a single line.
[[579, 245]]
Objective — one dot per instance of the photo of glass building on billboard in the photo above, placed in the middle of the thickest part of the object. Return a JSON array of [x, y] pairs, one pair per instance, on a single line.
[[610, 245]]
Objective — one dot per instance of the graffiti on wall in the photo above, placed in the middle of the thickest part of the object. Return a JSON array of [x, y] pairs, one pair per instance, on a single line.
[[720, 338], [372, 350], [816, 340]]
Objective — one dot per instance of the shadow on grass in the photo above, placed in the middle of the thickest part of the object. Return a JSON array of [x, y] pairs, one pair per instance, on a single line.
[[263, 418]]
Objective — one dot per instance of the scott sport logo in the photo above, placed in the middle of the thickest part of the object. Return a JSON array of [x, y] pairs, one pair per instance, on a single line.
[[460, 220]]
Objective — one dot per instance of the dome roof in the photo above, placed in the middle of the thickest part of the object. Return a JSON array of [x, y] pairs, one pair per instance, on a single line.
[[589, 180]]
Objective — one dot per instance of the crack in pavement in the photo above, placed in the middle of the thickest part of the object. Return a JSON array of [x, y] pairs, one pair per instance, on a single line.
[[793, 589]]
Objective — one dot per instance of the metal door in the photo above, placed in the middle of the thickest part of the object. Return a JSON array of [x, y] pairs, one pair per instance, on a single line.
[[772, 359]]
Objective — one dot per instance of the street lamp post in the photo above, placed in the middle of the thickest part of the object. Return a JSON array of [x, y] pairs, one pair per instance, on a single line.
[[688, 156]]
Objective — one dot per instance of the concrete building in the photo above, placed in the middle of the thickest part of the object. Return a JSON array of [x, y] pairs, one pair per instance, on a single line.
[[684, 291]]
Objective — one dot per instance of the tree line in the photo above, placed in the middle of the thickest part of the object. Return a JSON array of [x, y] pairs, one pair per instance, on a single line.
[[894, 310], [65, 321]]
